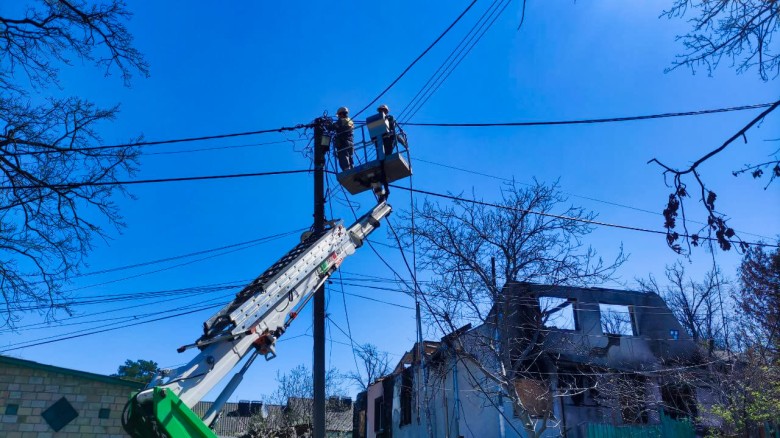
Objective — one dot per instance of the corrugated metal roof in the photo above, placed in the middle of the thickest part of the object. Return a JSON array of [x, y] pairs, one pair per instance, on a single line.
[[231, 424]]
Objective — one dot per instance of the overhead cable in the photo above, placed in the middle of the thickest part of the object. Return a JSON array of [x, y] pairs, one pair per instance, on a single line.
[[555, 216], [57, 150], [66, 185], [455, 62], [43, 341], [191, 254], [615, 204], [592, 121], [220, 148], [435, 75], [417, 59]]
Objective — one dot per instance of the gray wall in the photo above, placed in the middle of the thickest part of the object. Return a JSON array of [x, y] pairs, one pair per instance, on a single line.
[[653, 319]]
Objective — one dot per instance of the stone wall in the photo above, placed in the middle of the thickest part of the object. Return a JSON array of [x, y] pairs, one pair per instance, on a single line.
[[36, 399]]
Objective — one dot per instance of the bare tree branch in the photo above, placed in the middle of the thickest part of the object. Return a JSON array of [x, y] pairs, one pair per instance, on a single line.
[[716, 221], [375, 364], [47, 228], [741, 31]]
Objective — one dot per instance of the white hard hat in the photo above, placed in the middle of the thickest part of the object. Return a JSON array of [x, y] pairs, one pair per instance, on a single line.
[[343, 109]]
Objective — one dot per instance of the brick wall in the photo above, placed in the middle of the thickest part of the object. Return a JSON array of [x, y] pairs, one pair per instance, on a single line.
[[26, 392]]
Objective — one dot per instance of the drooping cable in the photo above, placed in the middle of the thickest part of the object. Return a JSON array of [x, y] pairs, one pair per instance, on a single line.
[[583, 220], [49, 149], [593, 120], [589, 198], [417, 59], [72, 185], [470, 43], [435, 75]]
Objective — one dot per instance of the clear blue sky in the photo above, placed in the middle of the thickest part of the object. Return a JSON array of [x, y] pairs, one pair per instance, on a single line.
[[255, 65]]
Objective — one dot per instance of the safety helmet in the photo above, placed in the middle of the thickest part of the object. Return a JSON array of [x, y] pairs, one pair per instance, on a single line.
[[343, 109], [383, 108]]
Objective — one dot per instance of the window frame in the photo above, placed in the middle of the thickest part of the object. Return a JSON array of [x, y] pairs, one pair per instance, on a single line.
[[379, 408], [569, 302], [406, 397], [632, 323]]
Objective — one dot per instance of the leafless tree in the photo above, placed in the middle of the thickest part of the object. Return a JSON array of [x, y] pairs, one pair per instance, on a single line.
[[743, 380], [533, 236], [55, 191], [748, 384], [374, 364], [759, 301], [740, 31], [698, 305]]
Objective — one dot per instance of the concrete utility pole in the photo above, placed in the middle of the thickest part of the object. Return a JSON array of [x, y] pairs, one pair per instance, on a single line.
[[319, 296]]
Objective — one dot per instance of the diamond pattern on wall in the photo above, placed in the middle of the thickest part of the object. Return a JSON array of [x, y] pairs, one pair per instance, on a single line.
[[59, 414]]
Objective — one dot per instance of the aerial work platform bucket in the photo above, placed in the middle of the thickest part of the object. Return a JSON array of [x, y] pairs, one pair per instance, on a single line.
[[371, 166], [360, 178]]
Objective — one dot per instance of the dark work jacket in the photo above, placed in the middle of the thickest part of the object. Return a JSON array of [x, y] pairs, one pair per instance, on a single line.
[[345, 138], [392, 136]]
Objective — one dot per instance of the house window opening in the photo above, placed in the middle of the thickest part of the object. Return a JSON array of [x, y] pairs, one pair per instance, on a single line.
[[535, 397], [104, 413], [407, 383], [575, 385], [679, 401], [379, 413], [244, 408], [632, 394], [558, 313], [617, 320]]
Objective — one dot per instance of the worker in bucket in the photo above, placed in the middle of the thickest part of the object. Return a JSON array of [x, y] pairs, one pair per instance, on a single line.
[[389, 139], [344, 140]]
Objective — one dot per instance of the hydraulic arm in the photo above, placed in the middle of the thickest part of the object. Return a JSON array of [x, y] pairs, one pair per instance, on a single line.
[[247, 326]]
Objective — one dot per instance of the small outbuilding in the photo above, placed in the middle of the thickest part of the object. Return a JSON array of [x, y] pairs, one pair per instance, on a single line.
[[38, 400]]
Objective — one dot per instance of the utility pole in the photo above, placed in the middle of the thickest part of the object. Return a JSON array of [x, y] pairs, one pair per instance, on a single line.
[[319, 295]]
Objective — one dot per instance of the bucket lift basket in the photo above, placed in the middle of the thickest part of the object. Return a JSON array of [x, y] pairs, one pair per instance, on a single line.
[[372, 166]]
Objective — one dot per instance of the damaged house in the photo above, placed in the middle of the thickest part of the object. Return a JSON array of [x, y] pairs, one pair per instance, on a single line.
[[548, 361]]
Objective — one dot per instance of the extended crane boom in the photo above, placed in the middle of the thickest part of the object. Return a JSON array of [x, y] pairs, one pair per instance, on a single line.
[[247, 326]]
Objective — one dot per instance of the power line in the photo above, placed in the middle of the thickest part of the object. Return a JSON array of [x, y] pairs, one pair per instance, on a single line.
[[134, 296], [379, 301], [343, 295], [418, 58], [92, 331], [152, 181], [219, 148], [441, 66], [592, 121], [191, 254], [44, 341], [555, 216], [55, 150], [513, 181], [167, 268], [309, 335], [451, 68], [371, 244], [49, 325]]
